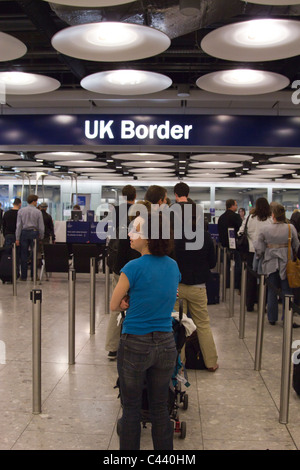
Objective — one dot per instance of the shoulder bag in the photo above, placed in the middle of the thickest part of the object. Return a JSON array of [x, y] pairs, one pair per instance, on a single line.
[[242, 242], [292, 267]]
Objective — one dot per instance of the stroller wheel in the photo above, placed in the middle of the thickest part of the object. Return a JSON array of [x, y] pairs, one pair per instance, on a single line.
[[183, 430], [185, 401]]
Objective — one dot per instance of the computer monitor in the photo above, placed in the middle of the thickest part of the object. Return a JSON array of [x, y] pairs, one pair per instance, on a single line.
[[76, 215]]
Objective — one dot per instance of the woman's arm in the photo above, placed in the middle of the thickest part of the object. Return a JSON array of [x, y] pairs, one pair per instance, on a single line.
[[119, 293]]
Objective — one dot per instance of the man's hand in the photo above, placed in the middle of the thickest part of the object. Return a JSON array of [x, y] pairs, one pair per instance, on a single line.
[[17, 242]]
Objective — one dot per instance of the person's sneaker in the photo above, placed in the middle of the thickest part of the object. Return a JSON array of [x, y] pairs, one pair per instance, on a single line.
[[112, 355]]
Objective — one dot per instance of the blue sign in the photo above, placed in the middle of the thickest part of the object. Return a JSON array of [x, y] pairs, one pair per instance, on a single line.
[[163, 130], [78, 232], [213, 230], [93, 234]]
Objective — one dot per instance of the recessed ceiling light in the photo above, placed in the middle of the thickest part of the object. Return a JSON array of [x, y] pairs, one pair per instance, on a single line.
[[254, 40], [242, 82], [67, 156], [221, 157], [144, 164], [11, 47], [91, 3], [141, 156], [126, 82], [110, 41], [22, 83], [286, 159]]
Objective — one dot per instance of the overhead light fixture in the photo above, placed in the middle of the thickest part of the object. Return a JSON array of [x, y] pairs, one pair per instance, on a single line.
[[152, 163], [11, 47], [67, 156], [141, 156], [189, 7], [286, 159], [242, 82], [273, 2], [22, 83], [110, 41], [220, 157], [215, 164], [79, 163], [91, 3], [254, 40], [183, 91], [126, 82]]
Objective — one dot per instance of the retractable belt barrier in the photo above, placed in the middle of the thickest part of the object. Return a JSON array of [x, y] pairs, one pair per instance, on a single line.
[[289, 308]]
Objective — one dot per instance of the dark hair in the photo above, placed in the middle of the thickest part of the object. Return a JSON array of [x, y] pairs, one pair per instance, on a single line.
[[155, 193], [262, 209], [181, 189], [17, 201], [279, 213], [76, 207], [295, 220], [130, 192], [159, 246], [230, 203], [31, 198]]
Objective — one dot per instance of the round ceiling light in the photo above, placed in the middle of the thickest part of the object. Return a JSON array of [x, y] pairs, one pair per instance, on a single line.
[[220, 157], [215, 165], [54, 156], [9, 156], [80, 163], [91, 3], [151, 170], [141, 156], [146, 163], [286, 159], [126, 82], [22, 83], [242, 82], [11, 48], [254, 40], [274, 2], [110, 41], [270, 171]]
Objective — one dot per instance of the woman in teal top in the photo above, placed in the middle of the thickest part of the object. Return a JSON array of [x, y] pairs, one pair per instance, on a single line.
[[147, 351]]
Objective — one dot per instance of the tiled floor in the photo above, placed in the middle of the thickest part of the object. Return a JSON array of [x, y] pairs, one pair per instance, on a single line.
[[234, 408]]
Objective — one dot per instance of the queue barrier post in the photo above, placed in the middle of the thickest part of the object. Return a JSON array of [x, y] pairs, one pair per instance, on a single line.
[[14, 269], [286, 359], [231, 285], [36, 298], [34, 260], [260, 322], [92, 294], [107, 286], [71, 330], [243, 300], [224, 273]]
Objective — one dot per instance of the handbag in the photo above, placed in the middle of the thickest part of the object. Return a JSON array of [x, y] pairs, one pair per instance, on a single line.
[[242, 242], [292, 267]]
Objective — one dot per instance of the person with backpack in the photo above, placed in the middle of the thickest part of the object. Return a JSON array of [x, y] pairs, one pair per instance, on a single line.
[[119, 253]]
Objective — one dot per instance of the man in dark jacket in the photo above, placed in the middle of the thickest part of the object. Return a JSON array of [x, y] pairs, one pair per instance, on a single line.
[[48, 222], [195, 266], [119, 253], [230, 219]]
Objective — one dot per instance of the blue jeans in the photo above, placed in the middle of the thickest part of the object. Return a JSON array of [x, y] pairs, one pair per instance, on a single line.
[[272, 300], [146, 358], [26, 242]]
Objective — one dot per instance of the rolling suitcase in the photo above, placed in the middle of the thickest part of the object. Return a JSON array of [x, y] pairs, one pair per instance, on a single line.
[[213, 289], [6, 264]]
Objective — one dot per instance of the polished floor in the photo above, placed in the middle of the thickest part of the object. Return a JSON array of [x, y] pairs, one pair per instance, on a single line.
[[236, 408]]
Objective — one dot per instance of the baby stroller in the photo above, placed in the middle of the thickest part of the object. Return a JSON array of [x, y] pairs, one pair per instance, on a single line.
[[176, 395]]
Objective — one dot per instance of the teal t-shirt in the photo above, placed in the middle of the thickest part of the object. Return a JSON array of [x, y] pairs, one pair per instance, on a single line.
[[153, 284]]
